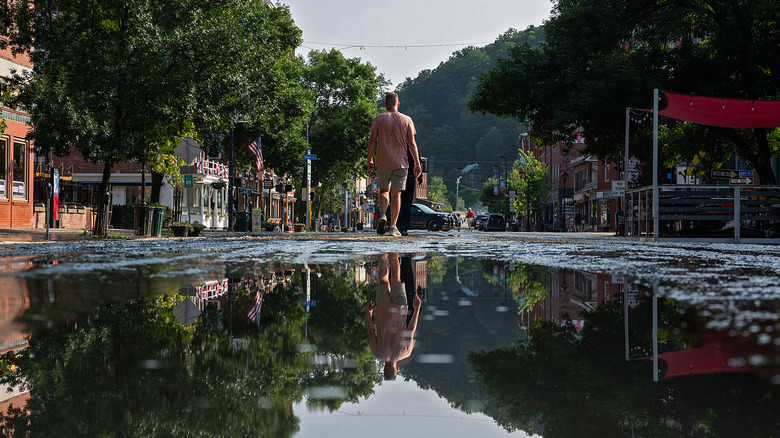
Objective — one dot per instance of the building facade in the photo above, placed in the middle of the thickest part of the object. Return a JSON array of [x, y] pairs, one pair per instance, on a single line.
[[16, 156]]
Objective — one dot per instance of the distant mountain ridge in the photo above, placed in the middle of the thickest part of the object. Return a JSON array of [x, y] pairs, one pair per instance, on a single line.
[[447, 133]]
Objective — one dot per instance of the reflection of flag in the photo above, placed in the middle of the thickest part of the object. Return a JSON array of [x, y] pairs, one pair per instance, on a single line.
[[257, 150], [254, 312]]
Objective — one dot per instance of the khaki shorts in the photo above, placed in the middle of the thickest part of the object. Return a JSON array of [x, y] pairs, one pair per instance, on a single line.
[[391, 178], [391, 294]]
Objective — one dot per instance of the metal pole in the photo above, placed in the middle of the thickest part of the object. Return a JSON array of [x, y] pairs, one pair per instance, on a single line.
[[48, 208], [230, 182], [655, 332], [737, 213], [655, 164], [105, 219], [308, 192], [625, 175]]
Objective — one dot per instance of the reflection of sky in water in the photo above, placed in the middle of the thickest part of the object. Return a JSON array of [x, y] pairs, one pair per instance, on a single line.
[[473, 285]]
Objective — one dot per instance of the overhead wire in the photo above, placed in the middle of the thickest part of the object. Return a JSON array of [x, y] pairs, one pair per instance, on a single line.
[[392, 46]]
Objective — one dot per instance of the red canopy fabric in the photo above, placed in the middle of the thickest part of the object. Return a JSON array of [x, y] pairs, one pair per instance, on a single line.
[[716, 111]]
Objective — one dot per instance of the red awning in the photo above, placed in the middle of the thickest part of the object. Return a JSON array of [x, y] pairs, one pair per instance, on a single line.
[[716, 111]]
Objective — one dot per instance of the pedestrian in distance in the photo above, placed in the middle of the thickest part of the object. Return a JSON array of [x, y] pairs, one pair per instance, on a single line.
[[391, 132], [470, 219]]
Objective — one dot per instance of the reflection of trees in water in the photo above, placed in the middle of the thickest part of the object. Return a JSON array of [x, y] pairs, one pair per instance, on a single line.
[[130, 369], [522, 282], [563, 383], [458, 330]]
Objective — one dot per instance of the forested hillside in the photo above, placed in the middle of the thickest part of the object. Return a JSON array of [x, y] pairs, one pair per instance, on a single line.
[[447, 133]]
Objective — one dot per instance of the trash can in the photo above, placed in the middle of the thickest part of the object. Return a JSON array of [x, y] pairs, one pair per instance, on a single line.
[[139, 220], [242, 221], [148, 220], [158, 217], [316, 224]]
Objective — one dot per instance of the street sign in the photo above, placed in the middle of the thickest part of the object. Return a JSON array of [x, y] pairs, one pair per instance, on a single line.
[[618, 185], [745, 173], [618, 193], [741, 181], [188, 182], [309, 156], [724, 173]]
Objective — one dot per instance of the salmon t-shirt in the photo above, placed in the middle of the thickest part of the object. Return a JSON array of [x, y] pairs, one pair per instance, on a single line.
[[393, 131]]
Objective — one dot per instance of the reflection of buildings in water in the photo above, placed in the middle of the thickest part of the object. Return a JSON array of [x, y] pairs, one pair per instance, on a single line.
[[14, 300], [215, 291], [571, 292]]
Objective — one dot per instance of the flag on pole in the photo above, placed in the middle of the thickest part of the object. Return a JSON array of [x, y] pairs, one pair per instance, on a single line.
[[257, 150], [254, 312]]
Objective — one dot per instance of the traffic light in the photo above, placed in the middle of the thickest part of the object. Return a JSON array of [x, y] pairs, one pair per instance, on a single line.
[[288, 188], [280, 188], [619, 166], [315, 178]]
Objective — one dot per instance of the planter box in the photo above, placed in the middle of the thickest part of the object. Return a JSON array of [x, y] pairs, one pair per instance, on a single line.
[[179, 231]]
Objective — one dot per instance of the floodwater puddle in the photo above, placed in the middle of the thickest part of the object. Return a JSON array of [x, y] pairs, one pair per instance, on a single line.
[[463, 338]]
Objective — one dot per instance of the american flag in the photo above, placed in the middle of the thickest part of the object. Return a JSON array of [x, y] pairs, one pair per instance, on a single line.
[[254, 312], [257, 150]]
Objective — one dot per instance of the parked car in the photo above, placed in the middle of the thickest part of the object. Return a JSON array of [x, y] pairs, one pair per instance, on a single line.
[[424, 218], [495, 222], [481, 220]]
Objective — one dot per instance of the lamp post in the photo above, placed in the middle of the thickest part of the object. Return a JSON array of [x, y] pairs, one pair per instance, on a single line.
[[457, 196], [563, 203], [506, 184]]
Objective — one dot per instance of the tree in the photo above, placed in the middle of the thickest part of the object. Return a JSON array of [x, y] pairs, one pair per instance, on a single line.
[[437, 191], [447, 132], [120, 79], [533, 184], [345, 103], [601, 57]]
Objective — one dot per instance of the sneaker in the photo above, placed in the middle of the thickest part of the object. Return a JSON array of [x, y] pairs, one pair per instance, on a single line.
[[404, 233], [380, 225], [393, 231]]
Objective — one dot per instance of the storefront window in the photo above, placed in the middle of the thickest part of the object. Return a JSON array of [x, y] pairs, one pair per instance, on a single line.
[[20, 169], [3, 166], [192, 199]]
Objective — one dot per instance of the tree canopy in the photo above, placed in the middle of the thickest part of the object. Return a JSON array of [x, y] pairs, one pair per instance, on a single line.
[[345, 92], [448, 134], [117, 80], [600, 58]]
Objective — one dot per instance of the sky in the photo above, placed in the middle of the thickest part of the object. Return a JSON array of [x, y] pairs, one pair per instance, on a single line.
[[414, 35], [399, 409]]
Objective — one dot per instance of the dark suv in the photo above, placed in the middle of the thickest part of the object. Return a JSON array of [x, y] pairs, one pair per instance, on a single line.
[[424, 218]]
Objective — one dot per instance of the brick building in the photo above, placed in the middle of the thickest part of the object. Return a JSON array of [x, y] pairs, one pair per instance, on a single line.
[[16, 156]]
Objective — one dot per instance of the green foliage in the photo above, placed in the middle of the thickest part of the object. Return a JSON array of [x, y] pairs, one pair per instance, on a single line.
[[437, 191], [601, 57], [532, 186], [345, 92], [447, 132]]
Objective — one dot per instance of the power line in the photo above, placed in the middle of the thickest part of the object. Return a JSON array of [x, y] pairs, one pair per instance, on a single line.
[[394, 46]]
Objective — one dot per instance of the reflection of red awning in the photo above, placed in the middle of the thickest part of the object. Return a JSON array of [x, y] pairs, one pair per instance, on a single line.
[[716, 111]]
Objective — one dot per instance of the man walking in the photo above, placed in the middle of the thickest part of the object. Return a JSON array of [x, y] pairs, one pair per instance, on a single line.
[[392, 136]]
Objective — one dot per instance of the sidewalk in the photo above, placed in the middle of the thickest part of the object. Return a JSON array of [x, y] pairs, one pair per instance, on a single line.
[[10, 236]]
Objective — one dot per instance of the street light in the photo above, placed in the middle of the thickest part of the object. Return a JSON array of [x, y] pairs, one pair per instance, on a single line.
[[457, 196], [506, 184], [563, 204]]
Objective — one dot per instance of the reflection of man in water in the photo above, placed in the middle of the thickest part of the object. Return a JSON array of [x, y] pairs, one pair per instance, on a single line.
[[393, 337]]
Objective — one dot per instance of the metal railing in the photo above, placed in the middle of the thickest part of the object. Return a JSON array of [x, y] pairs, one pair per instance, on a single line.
[[706, 213]]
